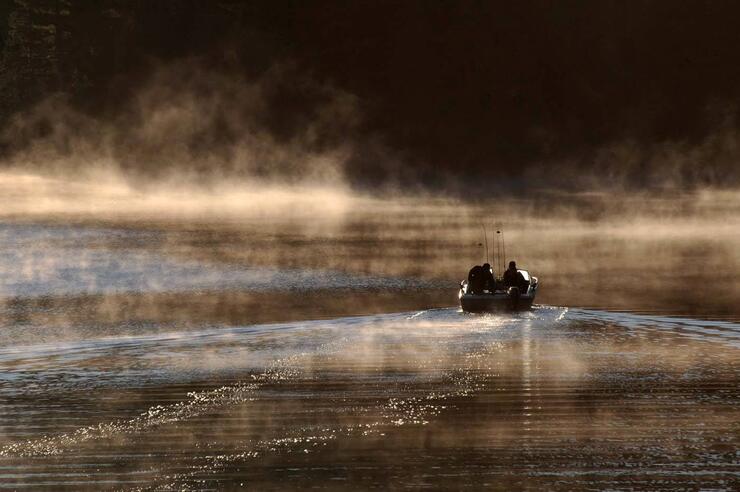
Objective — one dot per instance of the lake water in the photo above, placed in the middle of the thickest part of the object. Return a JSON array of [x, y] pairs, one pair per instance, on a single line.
[[264, 354]]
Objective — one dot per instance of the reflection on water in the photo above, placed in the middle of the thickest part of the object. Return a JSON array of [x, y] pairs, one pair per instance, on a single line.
[[432, 397], [64, 261], [198, 359]]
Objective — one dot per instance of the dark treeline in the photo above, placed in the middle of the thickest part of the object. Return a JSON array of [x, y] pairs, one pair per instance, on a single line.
[[510, 91]]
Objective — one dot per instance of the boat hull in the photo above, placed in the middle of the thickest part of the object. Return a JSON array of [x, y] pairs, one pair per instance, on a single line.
[[512, 299], [483, 303]]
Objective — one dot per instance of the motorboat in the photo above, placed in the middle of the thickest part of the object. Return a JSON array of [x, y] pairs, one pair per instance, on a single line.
[[500, 297]]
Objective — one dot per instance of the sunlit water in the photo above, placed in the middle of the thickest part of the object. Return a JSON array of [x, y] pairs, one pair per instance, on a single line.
[[63, 261], [556, 398]]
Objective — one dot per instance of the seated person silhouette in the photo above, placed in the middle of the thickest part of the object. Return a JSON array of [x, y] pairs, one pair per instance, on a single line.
[[489, 279], [475, 280], [513, 278]]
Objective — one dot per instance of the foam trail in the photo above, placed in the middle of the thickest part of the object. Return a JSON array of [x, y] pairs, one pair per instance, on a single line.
[[358, 378], [462, 381], [46, 357], [197, 404]]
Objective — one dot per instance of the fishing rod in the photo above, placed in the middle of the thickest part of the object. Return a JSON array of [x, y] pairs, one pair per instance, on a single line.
[[501, 246], [495, 243], [503, 241], [495, 264], [485, 238]]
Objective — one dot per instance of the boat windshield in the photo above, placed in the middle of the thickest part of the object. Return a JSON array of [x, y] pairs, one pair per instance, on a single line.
[[525, 274]]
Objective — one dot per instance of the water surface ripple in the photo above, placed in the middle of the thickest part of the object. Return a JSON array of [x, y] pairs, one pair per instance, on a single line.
[[555, 398]]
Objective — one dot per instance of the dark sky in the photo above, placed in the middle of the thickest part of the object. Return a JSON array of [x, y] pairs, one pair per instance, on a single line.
[[463, 88]]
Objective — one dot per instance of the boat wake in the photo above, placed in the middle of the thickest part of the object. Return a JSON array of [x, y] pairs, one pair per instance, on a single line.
[[239, 394], [697, 329]]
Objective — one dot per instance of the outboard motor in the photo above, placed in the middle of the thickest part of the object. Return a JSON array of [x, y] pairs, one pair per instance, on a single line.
[[514, 294]]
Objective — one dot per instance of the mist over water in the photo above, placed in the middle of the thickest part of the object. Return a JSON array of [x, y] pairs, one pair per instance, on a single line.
[[297, 335], [431, 397], [636, 251], [197, 295], [232, 236]]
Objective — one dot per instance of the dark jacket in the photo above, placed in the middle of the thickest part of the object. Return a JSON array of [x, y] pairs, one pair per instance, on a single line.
[[489, 282], [513, 278], [476, 280]]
